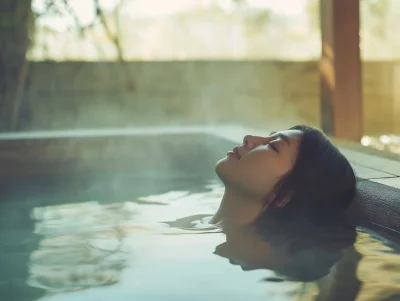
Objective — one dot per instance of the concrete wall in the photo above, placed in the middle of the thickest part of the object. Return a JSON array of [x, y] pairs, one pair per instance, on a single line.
[[99, 94]]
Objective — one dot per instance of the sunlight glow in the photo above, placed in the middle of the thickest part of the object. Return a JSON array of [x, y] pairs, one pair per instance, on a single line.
[[85, 11], [384, 139], [366, 141]]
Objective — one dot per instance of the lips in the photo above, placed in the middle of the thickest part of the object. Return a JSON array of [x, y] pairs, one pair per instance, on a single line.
[[236, 152]]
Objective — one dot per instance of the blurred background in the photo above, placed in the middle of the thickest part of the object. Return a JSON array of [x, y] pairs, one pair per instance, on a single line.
[[73, 211], [79, 64]]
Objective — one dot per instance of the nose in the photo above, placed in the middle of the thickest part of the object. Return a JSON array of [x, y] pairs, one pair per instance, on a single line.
[[250, 141]]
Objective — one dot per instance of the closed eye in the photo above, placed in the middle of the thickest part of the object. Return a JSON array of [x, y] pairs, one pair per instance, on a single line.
[[273, 147]]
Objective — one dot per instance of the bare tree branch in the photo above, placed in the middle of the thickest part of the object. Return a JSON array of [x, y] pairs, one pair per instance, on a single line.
[[53, 7], [71, 11], [116, 39], [113, 37]]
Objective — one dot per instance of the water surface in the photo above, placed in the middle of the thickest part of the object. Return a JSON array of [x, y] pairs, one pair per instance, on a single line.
[[150, 240]]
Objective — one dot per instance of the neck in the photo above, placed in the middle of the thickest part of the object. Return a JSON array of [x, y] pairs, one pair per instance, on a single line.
[[237, 209]]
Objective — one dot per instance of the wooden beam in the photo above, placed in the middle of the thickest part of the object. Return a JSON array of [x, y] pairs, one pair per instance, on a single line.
[[396, 99], [15, 21], [340, 69]]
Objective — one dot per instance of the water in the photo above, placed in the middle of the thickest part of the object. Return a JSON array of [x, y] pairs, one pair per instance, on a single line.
[[99, 250], [153, 248], [142, 233]]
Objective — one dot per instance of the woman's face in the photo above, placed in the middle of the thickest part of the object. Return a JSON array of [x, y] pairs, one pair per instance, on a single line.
[[256, 166]]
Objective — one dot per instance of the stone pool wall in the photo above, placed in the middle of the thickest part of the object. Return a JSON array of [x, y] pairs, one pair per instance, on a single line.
[[70, 95]]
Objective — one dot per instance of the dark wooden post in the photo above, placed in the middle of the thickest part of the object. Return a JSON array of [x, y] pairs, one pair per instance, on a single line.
[[340, 69], [15, 22]]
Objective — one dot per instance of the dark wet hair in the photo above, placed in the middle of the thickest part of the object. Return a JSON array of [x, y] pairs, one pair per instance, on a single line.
[[320, 188], [321, 184]]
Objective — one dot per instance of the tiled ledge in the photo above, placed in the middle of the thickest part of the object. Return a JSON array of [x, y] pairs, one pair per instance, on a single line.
[[376, 166], [393, 182]]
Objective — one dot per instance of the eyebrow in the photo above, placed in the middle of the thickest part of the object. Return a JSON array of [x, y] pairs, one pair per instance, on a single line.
[[282, 136]]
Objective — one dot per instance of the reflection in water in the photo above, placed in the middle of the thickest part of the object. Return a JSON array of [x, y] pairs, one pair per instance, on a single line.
[[364, 271], [290, 256], [82, 246], [342, 265], [88, 245], [379, 269], [244, 247], [372, 264], [91, 245]]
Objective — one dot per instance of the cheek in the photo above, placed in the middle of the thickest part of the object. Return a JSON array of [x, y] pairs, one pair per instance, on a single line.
[[260, 173], [259, 176]]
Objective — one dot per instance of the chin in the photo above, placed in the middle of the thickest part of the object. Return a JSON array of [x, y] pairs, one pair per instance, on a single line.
[[224, 176], [220, 168]]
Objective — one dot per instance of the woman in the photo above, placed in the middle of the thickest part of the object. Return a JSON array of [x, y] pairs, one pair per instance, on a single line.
[[297, 176], [283, 206]]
